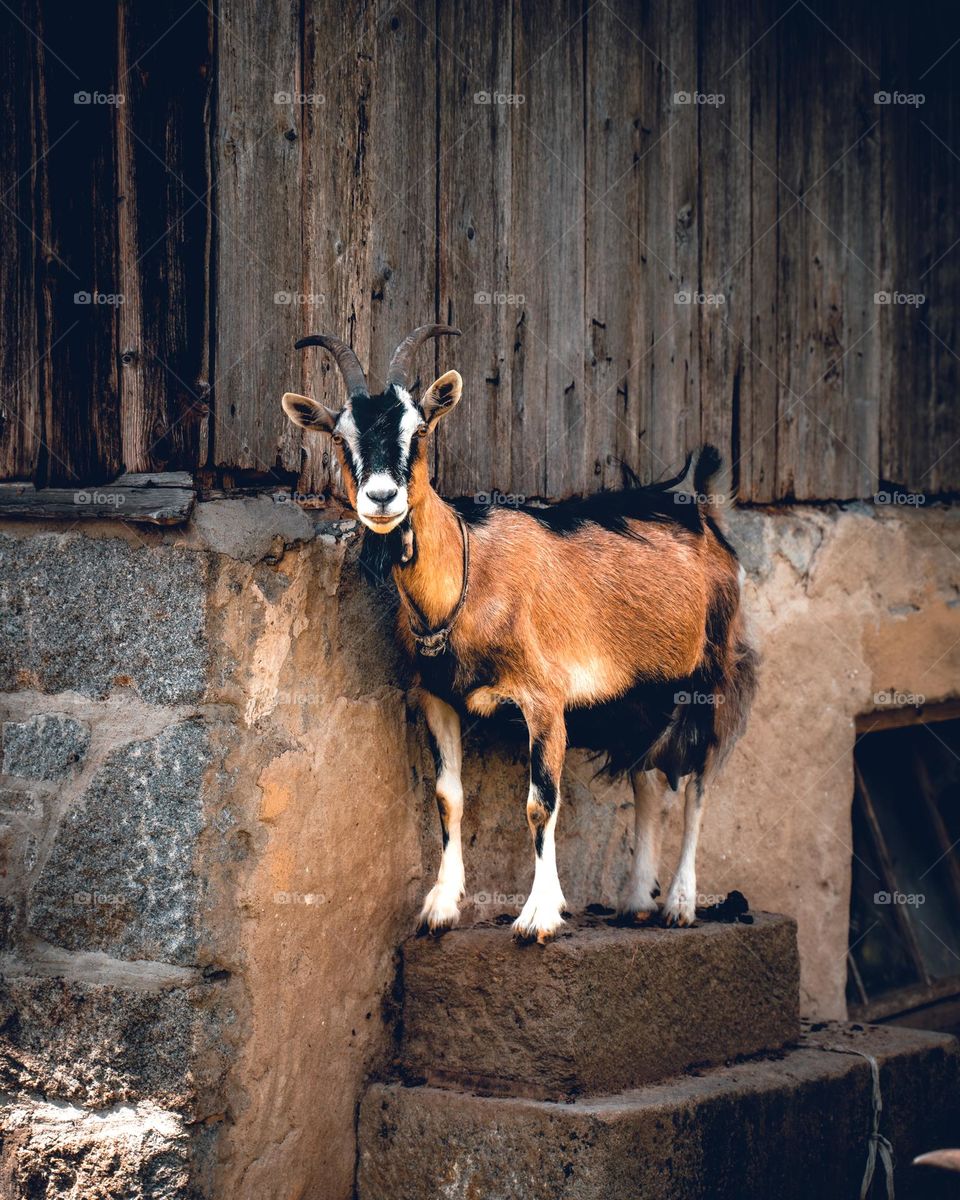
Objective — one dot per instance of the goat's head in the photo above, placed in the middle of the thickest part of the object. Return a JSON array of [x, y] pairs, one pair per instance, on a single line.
[[380, 439]]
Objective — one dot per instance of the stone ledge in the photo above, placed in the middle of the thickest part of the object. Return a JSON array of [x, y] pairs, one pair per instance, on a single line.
[[123, 1153], [791, 1127], [600, 1009]]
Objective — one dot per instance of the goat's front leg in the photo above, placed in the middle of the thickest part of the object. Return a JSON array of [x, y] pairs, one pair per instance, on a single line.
[[649, 806], [441, 909], [681, 903], [541, 917]]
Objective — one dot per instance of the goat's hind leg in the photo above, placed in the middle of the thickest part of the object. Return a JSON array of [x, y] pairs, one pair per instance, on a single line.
[[681, 903], [541, 916], [640, 899], [441, 909]]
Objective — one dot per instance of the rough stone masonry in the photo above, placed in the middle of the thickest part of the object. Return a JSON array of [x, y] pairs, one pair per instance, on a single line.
[[199, 925]]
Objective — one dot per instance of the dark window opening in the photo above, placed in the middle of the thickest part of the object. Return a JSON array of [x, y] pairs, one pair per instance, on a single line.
[[904, 948]]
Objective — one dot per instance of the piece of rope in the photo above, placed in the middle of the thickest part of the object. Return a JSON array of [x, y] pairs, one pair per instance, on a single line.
[[877, 1144]]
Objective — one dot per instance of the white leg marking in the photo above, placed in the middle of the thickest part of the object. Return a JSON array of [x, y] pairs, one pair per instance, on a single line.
[[680, 907], [639, 900], [441, 909], [540, 917]]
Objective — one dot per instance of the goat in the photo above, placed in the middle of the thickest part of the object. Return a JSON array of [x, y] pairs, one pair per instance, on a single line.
[[611, 622]]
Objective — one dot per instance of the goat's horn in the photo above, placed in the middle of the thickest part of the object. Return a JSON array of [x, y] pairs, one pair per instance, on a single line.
[[347, 361], [948, 1159], [398, 372]]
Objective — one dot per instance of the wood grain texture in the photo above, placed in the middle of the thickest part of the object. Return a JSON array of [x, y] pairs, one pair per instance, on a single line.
[[20, 395], [164, 499], [258, 243], [164, 199], [477, 289], [81, 289]]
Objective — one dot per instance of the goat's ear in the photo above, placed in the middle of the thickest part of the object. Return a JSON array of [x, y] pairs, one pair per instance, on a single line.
[[441, 396], [307, 413]]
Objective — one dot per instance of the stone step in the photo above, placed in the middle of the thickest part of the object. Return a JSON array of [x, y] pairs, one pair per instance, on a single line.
[[601, 1009], [791, 1127]]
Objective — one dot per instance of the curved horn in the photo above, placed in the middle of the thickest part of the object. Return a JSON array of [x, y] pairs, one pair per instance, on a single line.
[[347, 361], [399, 370]]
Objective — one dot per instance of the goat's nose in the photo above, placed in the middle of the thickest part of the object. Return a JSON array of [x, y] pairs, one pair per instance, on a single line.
[[383, 494]]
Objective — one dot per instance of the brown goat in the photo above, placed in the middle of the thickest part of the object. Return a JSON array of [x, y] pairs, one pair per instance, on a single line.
[[612, 622]]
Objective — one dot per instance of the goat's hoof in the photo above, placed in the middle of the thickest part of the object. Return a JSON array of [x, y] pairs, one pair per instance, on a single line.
[[679, 912], [639, 908], [538, 922], [440, 912]]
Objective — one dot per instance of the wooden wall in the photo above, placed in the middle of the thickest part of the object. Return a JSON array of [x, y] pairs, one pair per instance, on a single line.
[[526, 169]]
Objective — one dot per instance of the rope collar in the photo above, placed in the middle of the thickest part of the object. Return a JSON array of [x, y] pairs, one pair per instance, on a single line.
[[433, 641]]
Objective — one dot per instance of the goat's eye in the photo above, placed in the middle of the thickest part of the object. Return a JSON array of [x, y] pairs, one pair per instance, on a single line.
[[338, 439]]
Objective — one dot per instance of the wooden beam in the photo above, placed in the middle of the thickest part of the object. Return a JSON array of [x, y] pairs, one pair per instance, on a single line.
[[142, 499]]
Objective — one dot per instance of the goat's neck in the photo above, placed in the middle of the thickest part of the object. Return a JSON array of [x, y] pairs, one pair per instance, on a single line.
[[435, 576]]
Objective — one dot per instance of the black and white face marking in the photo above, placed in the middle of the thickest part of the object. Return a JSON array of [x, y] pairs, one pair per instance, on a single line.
[[377, 440]]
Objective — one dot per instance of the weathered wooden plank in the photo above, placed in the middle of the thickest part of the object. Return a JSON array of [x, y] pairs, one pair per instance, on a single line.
[[617, 140], [477, 291], [152, 500], [829, 262], [660, 418], [920, 417], [754, 72], [258, 256], [547, 251], [20, 417], [403, 173], [726, 33], [164, 214], [79, 278], [338, 207]]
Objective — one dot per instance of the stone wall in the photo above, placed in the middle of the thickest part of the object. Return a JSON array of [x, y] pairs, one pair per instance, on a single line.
[[217, 822]]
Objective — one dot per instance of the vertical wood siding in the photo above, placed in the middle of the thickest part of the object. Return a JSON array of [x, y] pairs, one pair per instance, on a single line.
[[655, 224]]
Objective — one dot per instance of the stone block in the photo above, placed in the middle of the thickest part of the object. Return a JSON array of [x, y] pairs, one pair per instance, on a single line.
[[600, 1009], [50, 746], [119, 877], [90, 614], [792, 1127]]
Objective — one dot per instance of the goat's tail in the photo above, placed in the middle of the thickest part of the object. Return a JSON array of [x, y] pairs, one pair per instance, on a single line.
[[708, 464]]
